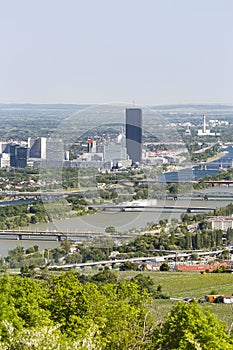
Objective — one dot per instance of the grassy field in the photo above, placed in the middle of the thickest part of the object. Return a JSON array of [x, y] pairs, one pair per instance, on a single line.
[[191, 285]]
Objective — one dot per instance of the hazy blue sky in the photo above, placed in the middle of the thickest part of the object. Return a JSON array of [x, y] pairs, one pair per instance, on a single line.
[[100, 51]]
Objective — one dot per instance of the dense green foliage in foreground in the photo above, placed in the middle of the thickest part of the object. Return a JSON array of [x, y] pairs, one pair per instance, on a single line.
[[63, 313]]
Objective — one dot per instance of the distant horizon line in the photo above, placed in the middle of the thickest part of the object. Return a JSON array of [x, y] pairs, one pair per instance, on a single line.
[[112, 103]]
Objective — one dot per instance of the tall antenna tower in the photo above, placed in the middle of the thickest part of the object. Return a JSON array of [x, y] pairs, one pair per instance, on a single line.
[[204, 124]]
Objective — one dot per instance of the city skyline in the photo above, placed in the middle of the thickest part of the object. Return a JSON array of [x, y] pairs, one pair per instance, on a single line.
[[154, 52]]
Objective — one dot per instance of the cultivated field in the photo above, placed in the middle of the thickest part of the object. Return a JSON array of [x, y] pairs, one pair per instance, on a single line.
[[191, 285]]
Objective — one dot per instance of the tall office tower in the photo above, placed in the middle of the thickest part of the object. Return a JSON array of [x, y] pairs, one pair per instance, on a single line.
[[91, 146], [13, 154], [4, 147], [54, 153], [18, 156], [37, 147], [134, 134], [22, 157]]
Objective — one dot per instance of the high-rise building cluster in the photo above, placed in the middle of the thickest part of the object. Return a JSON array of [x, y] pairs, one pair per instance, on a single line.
[[31, 153], [125, 151]]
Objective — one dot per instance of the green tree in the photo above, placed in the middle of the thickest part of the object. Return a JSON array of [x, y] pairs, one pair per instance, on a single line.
[[188, 239], [73, 305], [187, 327], [119, 312], [22, 304], [173, 188], [164, 267], [110, 229], [129, 323], [66, 245], [144, 282], [103, 277], [48, 338], [128, 265]]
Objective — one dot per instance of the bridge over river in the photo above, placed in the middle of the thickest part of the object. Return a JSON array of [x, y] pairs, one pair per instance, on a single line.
[[153, 208], [59, 236]]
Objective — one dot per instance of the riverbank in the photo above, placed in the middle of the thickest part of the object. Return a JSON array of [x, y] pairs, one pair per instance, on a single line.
[[216, 157], [175, 168]]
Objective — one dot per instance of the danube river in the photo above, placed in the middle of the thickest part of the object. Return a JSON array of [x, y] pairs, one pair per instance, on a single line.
[[124, 221]]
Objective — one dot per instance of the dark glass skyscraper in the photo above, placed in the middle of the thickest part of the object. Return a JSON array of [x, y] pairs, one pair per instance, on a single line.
[[134, 134], [18, 156]]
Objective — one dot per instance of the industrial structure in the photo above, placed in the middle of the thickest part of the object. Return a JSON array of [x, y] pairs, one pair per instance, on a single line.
[[205, 131]]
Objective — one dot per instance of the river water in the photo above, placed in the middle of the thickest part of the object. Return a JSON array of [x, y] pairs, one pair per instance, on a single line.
[[124, 221], [121, 220], [128, 220]]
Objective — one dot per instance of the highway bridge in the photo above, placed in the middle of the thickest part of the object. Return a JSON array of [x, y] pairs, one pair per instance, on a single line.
[[148, 259], [148, 181], [137, 182], [151, 208], [38, 194], [59, 236], [219, 182]]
